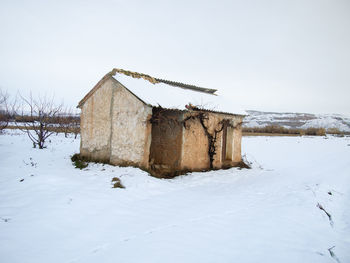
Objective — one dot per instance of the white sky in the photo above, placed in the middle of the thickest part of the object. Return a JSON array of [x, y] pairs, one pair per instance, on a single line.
[[265, 55]]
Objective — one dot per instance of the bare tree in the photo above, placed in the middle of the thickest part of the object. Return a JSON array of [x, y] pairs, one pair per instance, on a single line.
[[43, 114], [69, 122], [64, 122], [75, 123], [4, 110]]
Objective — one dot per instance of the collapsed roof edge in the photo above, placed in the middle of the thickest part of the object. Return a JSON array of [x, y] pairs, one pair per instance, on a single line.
[[154, 80]]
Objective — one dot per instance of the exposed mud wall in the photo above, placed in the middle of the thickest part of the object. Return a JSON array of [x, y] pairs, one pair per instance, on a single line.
[[237, 140], [194, 157], [131, 129], [166, 144], [195, 141], [96, 124], [234, 156]]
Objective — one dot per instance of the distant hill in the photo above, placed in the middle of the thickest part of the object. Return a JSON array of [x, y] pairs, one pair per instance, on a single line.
[[297, 120]]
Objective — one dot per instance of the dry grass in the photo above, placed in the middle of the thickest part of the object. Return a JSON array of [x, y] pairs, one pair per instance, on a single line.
[[268, 134], [117, 183], [274, 130]]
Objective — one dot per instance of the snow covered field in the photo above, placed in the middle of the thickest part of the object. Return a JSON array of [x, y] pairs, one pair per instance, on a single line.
[[52, 212]]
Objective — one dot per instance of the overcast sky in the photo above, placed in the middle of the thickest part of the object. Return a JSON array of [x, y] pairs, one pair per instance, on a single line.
[[265, 55]]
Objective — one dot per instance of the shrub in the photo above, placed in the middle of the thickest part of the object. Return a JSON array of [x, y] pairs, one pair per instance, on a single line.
[[78, 161]]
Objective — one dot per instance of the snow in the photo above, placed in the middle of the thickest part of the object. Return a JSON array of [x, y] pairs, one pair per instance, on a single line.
[[266, 214], [328, 122], [166, 96]]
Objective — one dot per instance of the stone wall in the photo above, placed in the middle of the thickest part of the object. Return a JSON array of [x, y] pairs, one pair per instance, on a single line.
[[131, 129], [115, 127], [95, 124]]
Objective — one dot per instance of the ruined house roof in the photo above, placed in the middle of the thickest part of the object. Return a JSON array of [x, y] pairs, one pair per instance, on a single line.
[[168, 94], [157, 80]]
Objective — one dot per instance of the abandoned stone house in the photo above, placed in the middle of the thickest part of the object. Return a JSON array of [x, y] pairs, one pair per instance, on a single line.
[[164, 127]]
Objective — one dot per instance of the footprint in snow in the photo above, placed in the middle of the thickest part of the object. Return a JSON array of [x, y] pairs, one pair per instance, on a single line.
[[5, 219], [97, 249]]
